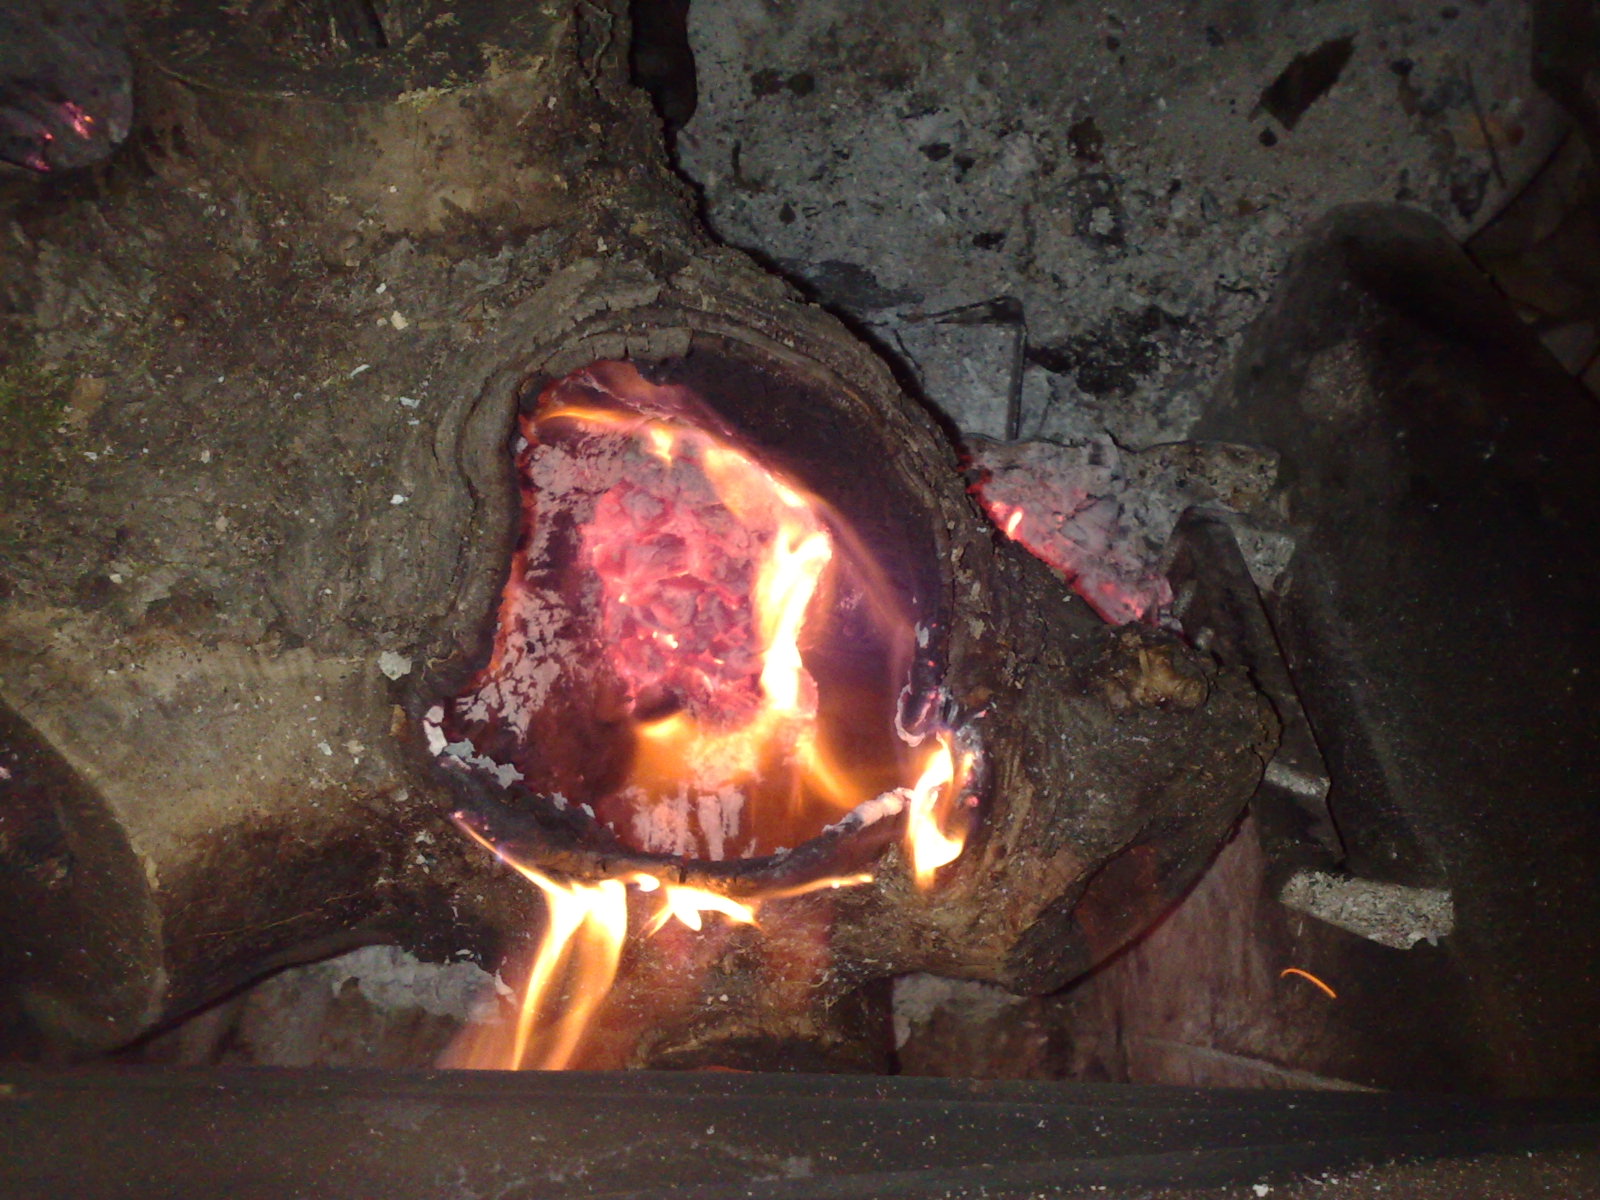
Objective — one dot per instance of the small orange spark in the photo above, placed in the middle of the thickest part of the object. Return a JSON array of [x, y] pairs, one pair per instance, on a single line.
[[1287, 971]]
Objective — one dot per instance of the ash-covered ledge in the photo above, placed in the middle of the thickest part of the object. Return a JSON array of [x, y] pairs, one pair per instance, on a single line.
[[1391, 914]]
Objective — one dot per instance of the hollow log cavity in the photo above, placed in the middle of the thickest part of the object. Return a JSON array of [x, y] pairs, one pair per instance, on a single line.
[[692, 649]]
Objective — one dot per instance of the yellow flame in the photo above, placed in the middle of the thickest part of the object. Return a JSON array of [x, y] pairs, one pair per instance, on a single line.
[[831, 883], [662, 443], [587, 927], [783, 593], [931, 846], [578, 954], [577, 959], [689, 904], [587, 924], [800, 552]]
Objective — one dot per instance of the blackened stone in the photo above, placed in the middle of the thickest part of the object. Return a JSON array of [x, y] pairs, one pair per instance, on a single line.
[[1446, 487], [1109, 358], [1085, 140]]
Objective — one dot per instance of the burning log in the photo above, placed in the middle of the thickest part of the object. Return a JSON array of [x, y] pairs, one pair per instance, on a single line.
[[1076, 788], [288, 601]]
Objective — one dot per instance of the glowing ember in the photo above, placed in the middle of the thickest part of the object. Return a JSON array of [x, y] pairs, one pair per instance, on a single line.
[[80, 120], [1060, 503], [708, 564], [707, 579]]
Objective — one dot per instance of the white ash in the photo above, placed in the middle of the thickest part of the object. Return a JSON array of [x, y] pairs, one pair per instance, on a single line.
[[392, 979], [533, 656], [1107, 170], [1104, 516], [719, 814], [970, 364], [505, 774], [869, 812], [696, 821], [393, 665], [432, 732], [1069, 505], [464, 752], [1390, 914], [919, 998], [659, 824], [529, 670]]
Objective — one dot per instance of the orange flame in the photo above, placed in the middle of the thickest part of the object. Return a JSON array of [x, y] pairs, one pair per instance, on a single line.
[[738, 725], [581, 947], [588, 923], [932, 838], [577, 958], [743, 721], [690, 904]]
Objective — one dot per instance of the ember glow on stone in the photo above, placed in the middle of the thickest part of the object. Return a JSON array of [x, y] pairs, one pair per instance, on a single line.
[[1061, 505]]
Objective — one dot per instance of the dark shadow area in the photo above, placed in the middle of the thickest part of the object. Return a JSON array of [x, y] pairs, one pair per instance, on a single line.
[[662, 62]]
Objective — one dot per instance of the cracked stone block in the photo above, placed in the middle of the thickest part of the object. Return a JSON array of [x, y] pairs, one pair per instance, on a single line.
[[973, 365], [1133, 177]]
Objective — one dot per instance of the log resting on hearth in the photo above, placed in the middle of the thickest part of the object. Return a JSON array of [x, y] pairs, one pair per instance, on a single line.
[[265, 365]]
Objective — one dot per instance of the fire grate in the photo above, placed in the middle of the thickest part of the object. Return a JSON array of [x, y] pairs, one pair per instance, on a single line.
[[649, 1136]]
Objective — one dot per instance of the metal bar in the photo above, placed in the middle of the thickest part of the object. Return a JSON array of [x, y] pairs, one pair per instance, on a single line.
[[143, 1132]]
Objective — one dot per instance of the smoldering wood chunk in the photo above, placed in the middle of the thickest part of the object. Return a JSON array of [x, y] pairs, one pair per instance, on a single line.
[[1133, 673], [65, 83]]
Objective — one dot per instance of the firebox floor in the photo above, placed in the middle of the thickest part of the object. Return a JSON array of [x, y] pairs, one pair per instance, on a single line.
[[145, 1132]]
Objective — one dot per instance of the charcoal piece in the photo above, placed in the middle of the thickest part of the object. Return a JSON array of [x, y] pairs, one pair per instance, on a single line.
[[1306, 80]]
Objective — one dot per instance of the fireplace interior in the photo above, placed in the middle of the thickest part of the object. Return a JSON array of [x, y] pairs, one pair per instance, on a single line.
[[794, 609]]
